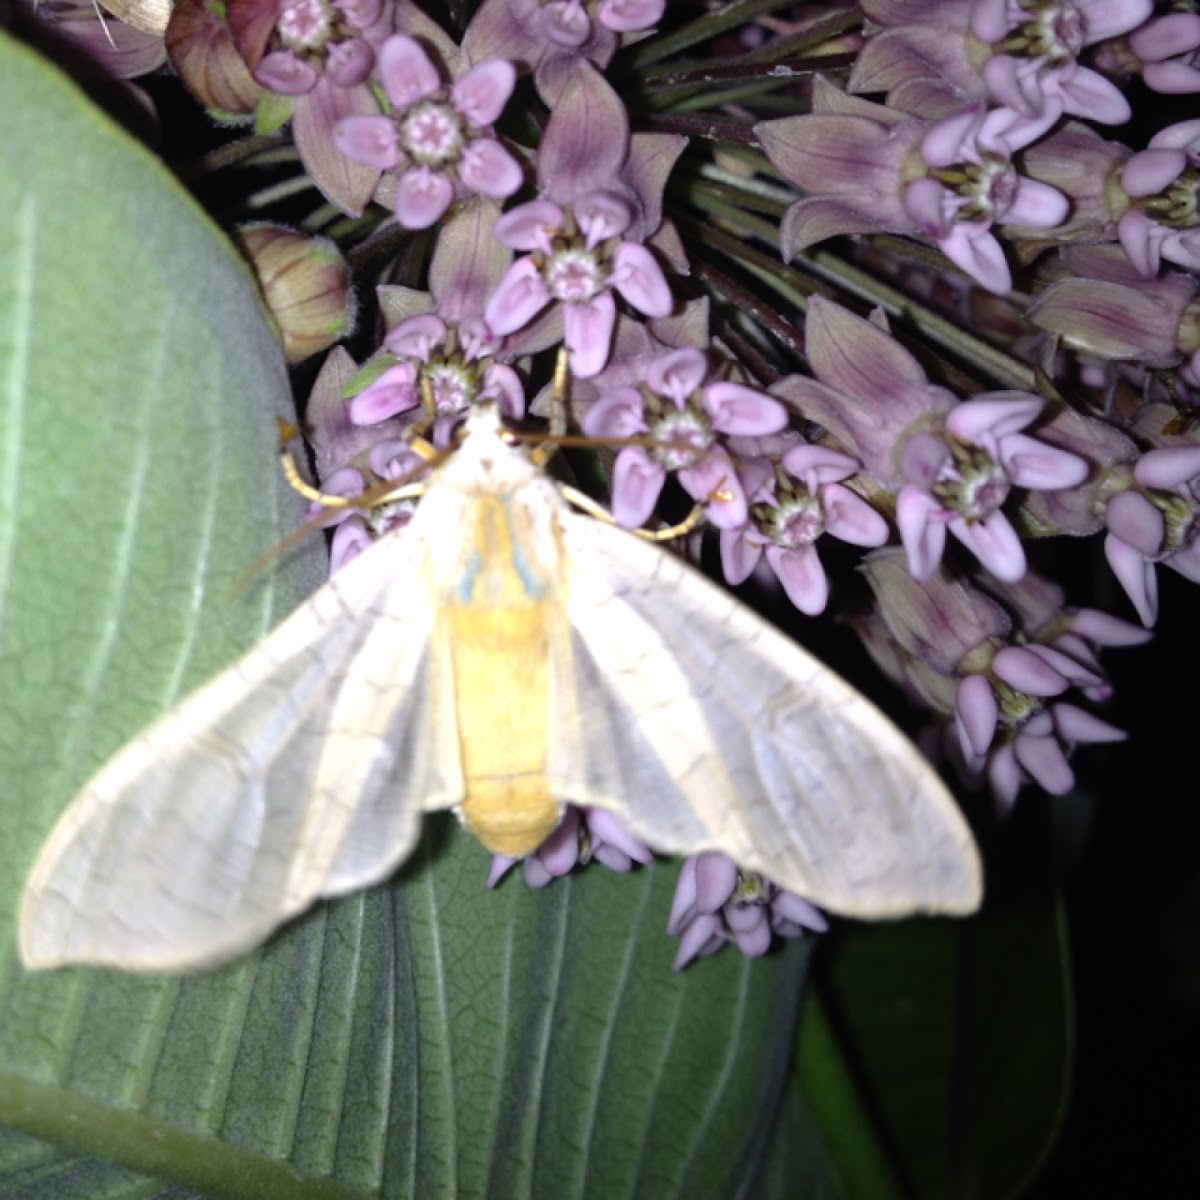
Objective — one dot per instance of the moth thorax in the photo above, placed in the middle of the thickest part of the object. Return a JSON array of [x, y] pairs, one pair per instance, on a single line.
[[511, 816]]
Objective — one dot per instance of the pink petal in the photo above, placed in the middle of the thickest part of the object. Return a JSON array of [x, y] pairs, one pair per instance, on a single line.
[[995, 543], [610, 829], [518, 298], [751, 928], [393, 392], [628, 16], [677, 374], [368, 140], [481, 94], [536, 875], [714, 483], [1037, 205], [850, 518], [349, 62], [1089, 94], [1021, 668], [977, 712], [1004, 777], [350, 539], [560, 851], [996, 417], [1186, 561], [1141, 239], [701, 938], [618, 415], [422, 197], [1104, 19], [683, 903], [1132, 518], [742, 411], [640, 280], [802, 576], [1106, 630], [529, 226], [925, 200], [1173, 78], [600, 216], [588, 332], [360, 14], [1075, 725], [1150, 171], [285, 74], [1072, 669], [406, 72], [923, 457], [1168, 467], [819, 464], [503, 384], [1043, 758], [501, 865], [1033, 464], [921, 533], [787, 906], [739, 556], [487, 168], [1165, 37], [1135, 575], [977, 252], [716, 877], [415, 337], [567, 23], [637, 482], [944, 145], [990, 20]]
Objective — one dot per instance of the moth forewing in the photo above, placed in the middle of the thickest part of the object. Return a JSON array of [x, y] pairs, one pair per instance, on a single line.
[[732, 738], [224, 818]]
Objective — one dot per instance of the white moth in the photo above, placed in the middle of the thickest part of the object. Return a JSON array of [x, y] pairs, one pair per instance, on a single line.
[[500, 655]]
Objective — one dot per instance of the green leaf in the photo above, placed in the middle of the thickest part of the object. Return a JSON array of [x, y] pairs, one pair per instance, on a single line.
[[959, 1036], [424, 1038]]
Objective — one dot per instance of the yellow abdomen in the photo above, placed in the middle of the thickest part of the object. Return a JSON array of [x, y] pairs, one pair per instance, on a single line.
[[500, 622]]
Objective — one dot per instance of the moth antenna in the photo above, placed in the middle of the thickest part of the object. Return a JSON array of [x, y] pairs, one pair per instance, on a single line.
[[594, 508]]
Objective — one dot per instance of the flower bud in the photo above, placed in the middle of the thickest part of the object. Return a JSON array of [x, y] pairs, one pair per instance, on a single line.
[[306, 285], [201, 49]]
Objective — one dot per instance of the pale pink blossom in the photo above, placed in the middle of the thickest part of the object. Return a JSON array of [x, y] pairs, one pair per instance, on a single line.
[[437, 139], [1156, 521], [681, 409], [790, 509], [715, 903], [960, 479]]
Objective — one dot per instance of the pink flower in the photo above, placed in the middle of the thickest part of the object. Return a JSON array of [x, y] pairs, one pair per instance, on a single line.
[[1010, 724], [437, 139], [1163, 222], [582, 834], [973, 185], [1043, 77], [715, 903], [959, 480], [321, 54], [1156, 521], [578, 260], [553, 39], [681, 409], [448, 362], [790, 510]]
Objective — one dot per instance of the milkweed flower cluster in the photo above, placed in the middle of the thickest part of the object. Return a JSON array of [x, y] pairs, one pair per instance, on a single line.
[[904, 288]]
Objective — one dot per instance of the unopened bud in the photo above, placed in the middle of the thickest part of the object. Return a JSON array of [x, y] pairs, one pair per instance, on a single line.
[[306, 284]]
